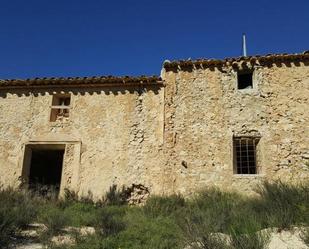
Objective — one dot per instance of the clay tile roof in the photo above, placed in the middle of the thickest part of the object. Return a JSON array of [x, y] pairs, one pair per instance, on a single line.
[[81, 81], [261, 59]]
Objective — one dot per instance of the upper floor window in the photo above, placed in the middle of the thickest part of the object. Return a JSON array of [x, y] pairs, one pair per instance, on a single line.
[[244, 80], [245, 155], [60, 107]]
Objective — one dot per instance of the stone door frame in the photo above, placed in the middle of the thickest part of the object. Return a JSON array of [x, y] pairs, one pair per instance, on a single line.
[[70, 166]]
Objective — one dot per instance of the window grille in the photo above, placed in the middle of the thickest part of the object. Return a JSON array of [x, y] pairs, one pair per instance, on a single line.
[[60, 107], [245, 155]]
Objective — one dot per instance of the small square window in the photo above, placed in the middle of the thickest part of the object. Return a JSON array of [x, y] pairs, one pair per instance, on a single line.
[[245, 154], [245, 80], [60, 107]]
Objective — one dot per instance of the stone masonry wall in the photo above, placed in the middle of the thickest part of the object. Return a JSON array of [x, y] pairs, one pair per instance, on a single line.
[[162, 140], [113, 136], [204, 110]]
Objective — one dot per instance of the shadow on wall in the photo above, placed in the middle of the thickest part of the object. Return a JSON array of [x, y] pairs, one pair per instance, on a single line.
[[107, 90]]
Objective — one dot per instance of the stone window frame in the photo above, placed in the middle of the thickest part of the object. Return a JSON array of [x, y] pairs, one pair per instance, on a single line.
[[254, 80], [54, 109], [258, 156]]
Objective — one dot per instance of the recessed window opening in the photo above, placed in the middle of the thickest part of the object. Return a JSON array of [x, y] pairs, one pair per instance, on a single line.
[[245, 80], [60, 107], [245, 155]]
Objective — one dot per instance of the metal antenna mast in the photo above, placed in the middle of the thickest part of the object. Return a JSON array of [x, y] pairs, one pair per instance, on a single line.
[[244, 45]]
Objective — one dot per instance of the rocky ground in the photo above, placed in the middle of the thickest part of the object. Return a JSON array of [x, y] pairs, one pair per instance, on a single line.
[[29, 238], [285, 239]]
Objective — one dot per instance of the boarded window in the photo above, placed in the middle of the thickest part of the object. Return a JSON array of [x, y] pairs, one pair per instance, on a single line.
[[60, 107], [245, 80], [245, 155]]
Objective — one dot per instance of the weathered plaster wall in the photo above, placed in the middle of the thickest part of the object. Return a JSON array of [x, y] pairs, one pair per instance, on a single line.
[[113, 136], [204, 110]]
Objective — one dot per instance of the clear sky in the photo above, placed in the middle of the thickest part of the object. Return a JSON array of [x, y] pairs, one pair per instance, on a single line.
[[133, 37]]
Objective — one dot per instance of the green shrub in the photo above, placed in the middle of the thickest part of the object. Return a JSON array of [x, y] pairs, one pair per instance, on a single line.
[[53, 218], [244, 231], [198, 228], [81, 214], [249, 241], [164, 205], [17, 209], [109, 221], [7, 227], [163, 222], [88, 199], [145, 232], [70, 195], [115, 196], [213, 212], [20, 204], [210, 241], [283, 205], [214, 209]]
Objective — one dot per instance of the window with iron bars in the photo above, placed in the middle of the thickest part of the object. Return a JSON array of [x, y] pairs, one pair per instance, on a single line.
[[60, 107], [245, 155]]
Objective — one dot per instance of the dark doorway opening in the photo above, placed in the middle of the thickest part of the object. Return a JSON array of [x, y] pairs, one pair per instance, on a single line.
[[45, 170]]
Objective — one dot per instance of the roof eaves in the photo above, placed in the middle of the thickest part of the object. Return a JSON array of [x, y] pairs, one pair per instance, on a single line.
[[264, 59], [82, 81]]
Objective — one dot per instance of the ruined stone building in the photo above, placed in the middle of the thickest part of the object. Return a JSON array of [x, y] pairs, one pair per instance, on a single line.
[[229, 123]]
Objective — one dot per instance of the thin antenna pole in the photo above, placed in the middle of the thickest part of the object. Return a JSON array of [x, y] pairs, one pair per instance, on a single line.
[[244, 45]]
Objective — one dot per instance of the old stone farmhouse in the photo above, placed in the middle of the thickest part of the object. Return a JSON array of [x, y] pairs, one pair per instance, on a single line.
[[229, 123]]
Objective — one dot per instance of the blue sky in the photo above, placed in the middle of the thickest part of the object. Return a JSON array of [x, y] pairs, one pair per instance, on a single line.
[[133, 37]]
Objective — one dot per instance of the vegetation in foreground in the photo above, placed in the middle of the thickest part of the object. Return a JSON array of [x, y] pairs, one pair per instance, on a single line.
[[163, 222]]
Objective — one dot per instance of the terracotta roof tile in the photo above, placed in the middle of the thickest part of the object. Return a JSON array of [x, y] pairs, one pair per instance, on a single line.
[[261, 59], [81, 81]]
